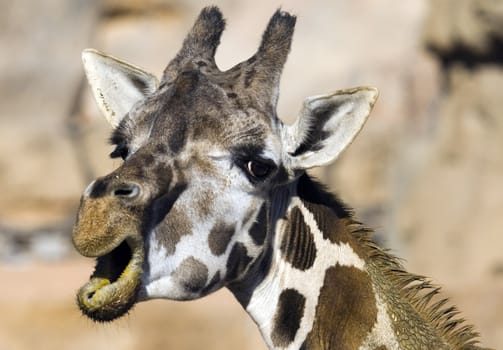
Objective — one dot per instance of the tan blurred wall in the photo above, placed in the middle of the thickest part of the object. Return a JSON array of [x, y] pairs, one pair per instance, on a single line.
[[425, 172]]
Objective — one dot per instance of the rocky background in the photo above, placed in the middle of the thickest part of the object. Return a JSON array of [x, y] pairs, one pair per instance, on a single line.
[[426, 172]]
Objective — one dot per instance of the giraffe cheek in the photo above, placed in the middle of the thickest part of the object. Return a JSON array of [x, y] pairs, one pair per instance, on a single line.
[[185, 274], [183, 285], [191, 275]]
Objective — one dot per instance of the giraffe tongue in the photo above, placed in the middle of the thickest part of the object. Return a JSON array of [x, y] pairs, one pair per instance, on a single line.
[[112, 289]]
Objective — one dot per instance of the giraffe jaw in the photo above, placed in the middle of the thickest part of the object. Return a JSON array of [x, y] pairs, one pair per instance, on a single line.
[[113, 287]]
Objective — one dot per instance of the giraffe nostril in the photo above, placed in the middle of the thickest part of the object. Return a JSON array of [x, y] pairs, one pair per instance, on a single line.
[[126, 190]]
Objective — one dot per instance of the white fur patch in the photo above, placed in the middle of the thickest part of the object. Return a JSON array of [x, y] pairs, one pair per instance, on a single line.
[[157, 280], [263, 304]]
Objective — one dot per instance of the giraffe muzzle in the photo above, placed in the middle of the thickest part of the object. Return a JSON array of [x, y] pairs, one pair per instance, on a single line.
[[113, 287], [109, 231]]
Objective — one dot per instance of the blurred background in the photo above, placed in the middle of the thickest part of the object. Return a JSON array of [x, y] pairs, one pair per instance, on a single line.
[[426, 172]]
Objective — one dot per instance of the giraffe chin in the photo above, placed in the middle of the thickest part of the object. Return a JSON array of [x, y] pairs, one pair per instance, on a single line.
[[113, 287]]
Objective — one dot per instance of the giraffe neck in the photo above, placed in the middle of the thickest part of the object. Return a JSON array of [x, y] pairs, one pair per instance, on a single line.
[[317, 286]]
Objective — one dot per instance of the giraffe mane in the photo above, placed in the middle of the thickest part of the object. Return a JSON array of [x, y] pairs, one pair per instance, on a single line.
[[423, 295]]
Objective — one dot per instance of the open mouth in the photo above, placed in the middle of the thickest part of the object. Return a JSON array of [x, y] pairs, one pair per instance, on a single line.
[[113, 287]]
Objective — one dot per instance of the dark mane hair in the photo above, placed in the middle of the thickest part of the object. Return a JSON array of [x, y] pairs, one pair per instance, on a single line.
[[420, 293], [315, 192]]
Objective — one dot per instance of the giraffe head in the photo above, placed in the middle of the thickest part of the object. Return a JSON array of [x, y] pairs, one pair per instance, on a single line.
[[186, 211]]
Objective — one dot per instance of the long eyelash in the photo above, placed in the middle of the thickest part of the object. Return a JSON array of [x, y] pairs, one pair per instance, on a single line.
[[247, 151], [120, 134], [117, 138]]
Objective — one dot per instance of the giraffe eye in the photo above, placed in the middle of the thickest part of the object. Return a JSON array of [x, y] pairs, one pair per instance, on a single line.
[[258, 169]]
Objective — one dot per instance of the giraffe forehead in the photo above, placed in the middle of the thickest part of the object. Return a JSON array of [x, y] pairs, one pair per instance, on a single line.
[[205, 112], [196, 136]]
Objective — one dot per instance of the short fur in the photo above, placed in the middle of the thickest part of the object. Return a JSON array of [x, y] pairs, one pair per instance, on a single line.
[[213, 193], [393, 280]]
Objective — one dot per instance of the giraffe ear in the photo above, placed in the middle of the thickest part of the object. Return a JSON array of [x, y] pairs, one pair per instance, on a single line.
[[326, 126], [116, 85]]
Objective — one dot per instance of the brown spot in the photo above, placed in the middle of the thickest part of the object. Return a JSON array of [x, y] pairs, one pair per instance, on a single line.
[[163, 176], [204, 202], [232, 95], [206, 127], [382, 347], [147, 160], [192, 274], [328, 223], [249, 76], [238, 262], [219, 237], [178, 136], [161, 148], [335, 229], [186, 82], [258, 230], [258, 270], [287, 318], [297, 245], [346, 310], [172, 228]]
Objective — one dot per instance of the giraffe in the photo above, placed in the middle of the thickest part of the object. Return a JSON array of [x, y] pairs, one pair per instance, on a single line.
[[213, 192]]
